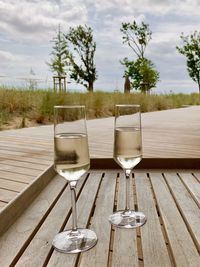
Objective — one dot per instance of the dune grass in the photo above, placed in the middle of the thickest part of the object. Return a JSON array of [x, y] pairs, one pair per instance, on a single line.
[[37, 106]]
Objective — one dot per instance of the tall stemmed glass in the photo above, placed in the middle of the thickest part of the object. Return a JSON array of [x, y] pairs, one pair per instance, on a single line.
[[71, 161], [127, 153]]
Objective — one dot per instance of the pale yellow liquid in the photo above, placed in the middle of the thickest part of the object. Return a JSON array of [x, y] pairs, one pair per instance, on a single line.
[[127, 147], [71, 155]]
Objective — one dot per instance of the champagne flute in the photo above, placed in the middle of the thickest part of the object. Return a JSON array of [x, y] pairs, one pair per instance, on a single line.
[[127, 153], [71, 161]]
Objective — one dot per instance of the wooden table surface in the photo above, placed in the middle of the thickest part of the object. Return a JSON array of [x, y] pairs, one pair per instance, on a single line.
[[169, 198]]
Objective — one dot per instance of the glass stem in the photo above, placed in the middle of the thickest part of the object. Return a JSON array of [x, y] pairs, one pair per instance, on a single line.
[[127, 174], [73, 200]]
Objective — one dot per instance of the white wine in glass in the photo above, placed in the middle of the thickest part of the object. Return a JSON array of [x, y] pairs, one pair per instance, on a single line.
[[71, 155], [71, 161], [127, 153]]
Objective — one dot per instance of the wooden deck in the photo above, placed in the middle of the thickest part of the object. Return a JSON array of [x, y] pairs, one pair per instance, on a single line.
[[25, 153], [171, 237]]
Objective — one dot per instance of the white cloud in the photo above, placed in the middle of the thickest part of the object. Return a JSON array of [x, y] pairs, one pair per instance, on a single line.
[[154, 7], [6, 56], [36, 20]]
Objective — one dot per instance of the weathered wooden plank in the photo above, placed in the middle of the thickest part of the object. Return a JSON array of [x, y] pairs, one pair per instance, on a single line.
[[20, 170], [11, 153], [7, 195], [189, 210], [27, 224], [182, 246], [12, 185], [6, 139], [14, 134], [31, 159], [28, 151], [39, 132], [26, 147], [125, 240], [16, 177], [98, 256], [42, 156], [192, 185], [155, 252], [19, 163]]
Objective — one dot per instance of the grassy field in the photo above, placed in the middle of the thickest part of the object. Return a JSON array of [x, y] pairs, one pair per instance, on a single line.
[[23, 108]]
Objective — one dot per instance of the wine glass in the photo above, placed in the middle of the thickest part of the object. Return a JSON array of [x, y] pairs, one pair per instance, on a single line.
[[127, 153], [71, 161]]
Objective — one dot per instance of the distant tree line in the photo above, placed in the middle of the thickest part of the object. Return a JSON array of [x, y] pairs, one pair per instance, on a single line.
[[73, 54]]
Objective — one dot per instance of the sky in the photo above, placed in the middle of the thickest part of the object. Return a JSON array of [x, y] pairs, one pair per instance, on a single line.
[[27, 28]]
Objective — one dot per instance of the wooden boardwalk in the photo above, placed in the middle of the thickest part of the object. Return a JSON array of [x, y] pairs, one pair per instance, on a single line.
[[25, 153]]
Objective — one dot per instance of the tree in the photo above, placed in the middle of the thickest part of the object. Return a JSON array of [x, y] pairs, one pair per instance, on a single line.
[[136, 36], [83, 47], [191, 49], [142, 73], [60, 54]]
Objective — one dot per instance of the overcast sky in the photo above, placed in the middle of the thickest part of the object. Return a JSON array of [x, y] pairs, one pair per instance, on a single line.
[[27, 27]]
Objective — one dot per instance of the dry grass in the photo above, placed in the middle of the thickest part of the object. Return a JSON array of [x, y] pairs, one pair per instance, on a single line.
[[22, 108]]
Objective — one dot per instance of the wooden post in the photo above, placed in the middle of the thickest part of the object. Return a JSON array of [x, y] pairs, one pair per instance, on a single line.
[[59, 83]]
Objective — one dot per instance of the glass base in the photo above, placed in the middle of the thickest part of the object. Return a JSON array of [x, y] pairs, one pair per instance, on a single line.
[[127, 219], [74, 242]]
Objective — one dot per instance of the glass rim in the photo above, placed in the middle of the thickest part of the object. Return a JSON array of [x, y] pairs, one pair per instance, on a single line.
[[69, 106], [127, 105]]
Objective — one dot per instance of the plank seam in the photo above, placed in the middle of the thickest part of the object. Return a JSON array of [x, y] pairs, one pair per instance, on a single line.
[[15, 191], [162, 225], [112, 232], [188, 189], [78, 259], [7, 179], [198, 179], [138, 232], [4, 201], [94, 205], [182, 215]]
